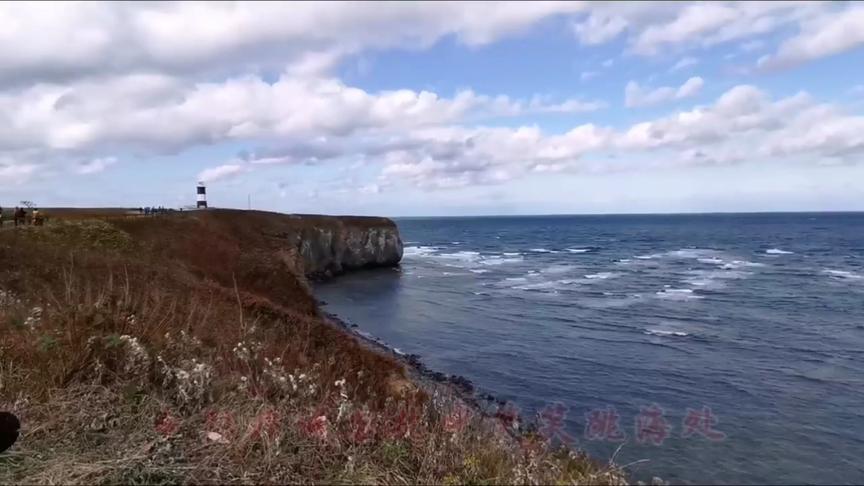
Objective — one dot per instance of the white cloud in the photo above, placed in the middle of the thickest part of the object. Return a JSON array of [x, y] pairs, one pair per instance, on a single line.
[[16, 172], [62, 40], [161, 113], [823, 35], [599, 28], [588, 75], [742, 125], [96, 165], [637, 96], [222, 172], [745, 124], [90, 79], [69, 40], [653, 29], [683, 63]]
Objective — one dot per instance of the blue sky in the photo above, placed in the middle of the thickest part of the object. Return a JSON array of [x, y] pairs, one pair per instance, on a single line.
[[435, 108]]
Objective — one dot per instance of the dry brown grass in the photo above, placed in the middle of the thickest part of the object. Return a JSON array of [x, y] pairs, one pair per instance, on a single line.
[[133, 354]]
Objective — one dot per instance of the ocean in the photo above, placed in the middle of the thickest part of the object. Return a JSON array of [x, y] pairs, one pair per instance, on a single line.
[[721, 348]]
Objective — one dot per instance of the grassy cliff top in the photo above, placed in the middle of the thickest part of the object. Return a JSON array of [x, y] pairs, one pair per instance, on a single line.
[[187, 348]]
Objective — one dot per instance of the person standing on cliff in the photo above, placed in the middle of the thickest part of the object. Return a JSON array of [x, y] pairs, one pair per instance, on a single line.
[[18, 216]]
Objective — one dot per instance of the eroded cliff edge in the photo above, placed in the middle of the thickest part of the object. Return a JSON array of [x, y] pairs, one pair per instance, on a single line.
[[330, 245], [319, 246]]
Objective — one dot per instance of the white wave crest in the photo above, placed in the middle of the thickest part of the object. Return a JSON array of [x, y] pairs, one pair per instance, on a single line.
[[843, 274], [735, 264], [418, 251], [778, 251], [661, 332], [601, 275], [678, 294], [497, 260]]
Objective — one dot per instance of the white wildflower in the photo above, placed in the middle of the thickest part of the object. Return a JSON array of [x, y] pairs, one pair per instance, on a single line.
[[190, 380], [34, 318], [137, 358], [8, 299]]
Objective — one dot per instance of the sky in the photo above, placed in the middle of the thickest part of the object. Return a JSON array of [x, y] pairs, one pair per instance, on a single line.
[[419, 109]]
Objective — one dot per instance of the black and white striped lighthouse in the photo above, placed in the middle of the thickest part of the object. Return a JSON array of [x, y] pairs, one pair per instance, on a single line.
[[202, 196]]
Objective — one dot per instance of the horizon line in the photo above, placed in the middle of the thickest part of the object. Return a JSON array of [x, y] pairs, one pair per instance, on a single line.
[[683, 213]]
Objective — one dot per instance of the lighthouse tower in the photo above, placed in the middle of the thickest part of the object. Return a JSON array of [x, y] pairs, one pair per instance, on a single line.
[[202, 196]]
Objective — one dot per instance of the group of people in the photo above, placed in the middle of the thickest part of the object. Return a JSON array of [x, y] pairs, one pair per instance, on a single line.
[[19, 216], [152, 211]]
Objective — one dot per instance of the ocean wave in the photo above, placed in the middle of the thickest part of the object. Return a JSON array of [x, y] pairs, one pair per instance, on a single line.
[[729, 264], [578, 250], [601, 275], [459, 259], [843, 274], [714, 279], [661, 332], [677, 294], [735, 264], [778, 251], [712, 261], [683, 253], [692, 253], [555, 269], [418, 251], [511, 253], [468, 256], [551, 286], [478, 270], [542, 250], [497, 260], [610, 301]]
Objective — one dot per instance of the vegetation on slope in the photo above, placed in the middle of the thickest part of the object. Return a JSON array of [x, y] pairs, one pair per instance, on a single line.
[[189, 349]]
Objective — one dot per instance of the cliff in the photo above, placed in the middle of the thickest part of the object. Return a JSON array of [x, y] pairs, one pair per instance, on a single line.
[[324, 245], [188, 348], [331, 245]]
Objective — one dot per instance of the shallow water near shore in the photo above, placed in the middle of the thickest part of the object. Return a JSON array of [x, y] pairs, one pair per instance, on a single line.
[[735, 342]]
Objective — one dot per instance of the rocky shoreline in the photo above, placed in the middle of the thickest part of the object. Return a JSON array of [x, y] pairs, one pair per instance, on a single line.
[[458, 387]]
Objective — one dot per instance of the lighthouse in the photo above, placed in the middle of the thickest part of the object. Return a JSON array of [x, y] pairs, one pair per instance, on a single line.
[[202, 196]]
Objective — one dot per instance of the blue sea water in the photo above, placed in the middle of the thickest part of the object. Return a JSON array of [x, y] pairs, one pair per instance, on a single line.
[[759, 317]]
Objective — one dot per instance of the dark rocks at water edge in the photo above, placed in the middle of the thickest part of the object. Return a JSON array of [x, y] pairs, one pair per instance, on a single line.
[[462, 385]]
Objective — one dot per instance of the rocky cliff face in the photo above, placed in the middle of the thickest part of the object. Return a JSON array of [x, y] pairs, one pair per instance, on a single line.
[[317, 246], [329, 246]]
